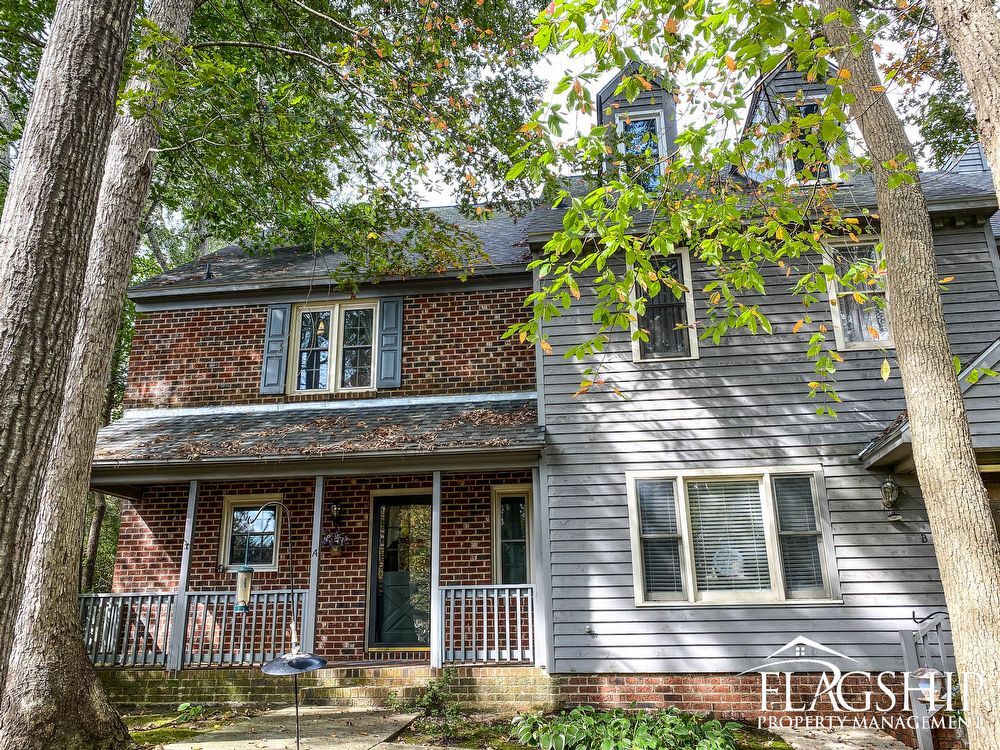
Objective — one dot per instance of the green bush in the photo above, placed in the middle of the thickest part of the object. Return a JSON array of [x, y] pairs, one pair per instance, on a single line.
[[586, 729]]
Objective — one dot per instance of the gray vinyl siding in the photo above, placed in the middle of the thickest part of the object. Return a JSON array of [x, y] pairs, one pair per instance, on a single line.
[[742, 403]]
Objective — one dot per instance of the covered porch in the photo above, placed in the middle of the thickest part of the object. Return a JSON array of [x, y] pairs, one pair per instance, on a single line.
[[421, 556]]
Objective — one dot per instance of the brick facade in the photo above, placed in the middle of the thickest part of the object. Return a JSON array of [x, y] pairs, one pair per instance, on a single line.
[[451, 344], [153, 528]]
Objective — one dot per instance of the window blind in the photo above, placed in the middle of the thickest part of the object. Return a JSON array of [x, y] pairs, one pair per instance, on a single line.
[[661, 559], [799, 535], [727, 533]]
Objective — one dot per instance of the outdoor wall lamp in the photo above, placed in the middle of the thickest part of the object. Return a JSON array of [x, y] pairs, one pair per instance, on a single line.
[[335, 514], [890, 496]]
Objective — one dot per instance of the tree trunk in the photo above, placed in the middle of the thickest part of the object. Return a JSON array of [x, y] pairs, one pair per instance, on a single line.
[[44, 234], [53, 697], [965, 539], [972, 30], [93, 540]]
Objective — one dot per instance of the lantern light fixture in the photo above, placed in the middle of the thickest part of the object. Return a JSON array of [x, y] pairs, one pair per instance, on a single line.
[[890, 490]]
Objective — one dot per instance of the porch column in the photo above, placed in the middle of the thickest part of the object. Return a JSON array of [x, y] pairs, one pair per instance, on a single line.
[[542, 577], [175, 655], [437, 632], [309, 615]]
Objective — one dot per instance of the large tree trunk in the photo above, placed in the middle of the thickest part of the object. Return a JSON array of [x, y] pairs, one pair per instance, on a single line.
[[44, 234], [972, 30], [93, 541], [53, 697], [965, 539]]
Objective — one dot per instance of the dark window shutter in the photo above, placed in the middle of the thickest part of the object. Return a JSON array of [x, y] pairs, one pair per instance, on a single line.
[[390, 343], [272, 374]]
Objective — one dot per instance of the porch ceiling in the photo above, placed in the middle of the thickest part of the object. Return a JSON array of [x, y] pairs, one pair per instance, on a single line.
[[175, 437]]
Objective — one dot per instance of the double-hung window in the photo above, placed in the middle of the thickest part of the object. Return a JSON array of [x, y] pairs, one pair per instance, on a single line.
[[250, 532], [665, 329], [753, 536], [860, 318], [641, 135], [333, 347]]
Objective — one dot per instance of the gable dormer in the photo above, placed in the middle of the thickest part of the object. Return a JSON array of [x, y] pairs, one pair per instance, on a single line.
[[973, 159], [645, 124], [784, 92]]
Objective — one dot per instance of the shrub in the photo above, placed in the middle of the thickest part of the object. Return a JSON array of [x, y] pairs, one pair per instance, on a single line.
[[584, 728]]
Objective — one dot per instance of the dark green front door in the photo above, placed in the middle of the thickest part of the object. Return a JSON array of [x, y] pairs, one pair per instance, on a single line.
[[401, 571]]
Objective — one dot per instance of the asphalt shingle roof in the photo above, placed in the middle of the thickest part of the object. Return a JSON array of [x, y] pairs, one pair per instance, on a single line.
[[314, 431], [506, 239], [502, 237]]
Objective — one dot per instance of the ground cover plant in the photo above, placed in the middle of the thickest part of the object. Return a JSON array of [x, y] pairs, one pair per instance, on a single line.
[[584, 728]]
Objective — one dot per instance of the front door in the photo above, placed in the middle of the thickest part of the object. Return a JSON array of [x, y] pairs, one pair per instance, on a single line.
[[401, 572]]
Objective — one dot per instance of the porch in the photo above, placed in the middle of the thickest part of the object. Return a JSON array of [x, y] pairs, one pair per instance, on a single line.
[[411, 568]]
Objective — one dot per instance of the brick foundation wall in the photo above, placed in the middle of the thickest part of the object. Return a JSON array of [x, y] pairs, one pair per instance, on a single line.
[[451, 344], [152, 539]]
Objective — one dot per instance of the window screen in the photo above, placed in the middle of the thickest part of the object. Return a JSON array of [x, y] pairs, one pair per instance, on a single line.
[[661, 539], [666, 318], [727, 535]]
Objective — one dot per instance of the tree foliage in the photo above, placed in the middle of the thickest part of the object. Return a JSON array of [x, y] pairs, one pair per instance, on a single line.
[[728, 192]]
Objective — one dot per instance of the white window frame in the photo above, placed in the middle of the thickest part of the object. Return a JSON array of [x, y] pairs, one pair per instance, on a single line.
[[692, 331], [831, 247], [835, 173], [497, 494], [650, 113], [691, 596], [337, 311], [232, 503]]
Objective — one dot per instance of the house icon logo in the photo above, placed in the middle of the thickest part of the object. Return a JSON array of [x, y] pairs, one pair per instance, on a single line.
[[802, 655]]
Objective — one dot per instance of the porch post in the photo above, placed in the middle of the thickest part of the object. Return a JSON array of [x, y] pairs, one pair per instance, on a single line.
[[309, 615], [540, 565], [175, 655], [437, 632]]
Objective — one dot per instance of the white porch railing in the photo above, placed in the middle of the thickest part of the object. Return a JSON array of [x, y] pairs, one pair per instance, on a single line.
[[488, 624], [214, 635], [127, 630]]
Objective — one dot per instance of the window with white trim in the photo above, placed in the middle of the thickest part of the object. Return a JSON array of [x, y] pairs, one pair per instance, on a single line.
[[860, 315], [511, 534], [333, 347], [250, 529], [716, 538], [641, 136], [665, 327]]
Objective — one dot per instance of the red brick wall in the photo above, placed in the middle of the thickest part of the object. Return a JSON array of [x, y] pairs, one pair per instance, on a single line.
[[451, 344], [152, 538]]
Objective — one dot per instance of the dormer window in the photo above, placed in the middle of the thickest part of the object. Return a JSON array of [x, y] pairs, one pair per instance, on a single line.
[[641, 134], [801, 171]]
